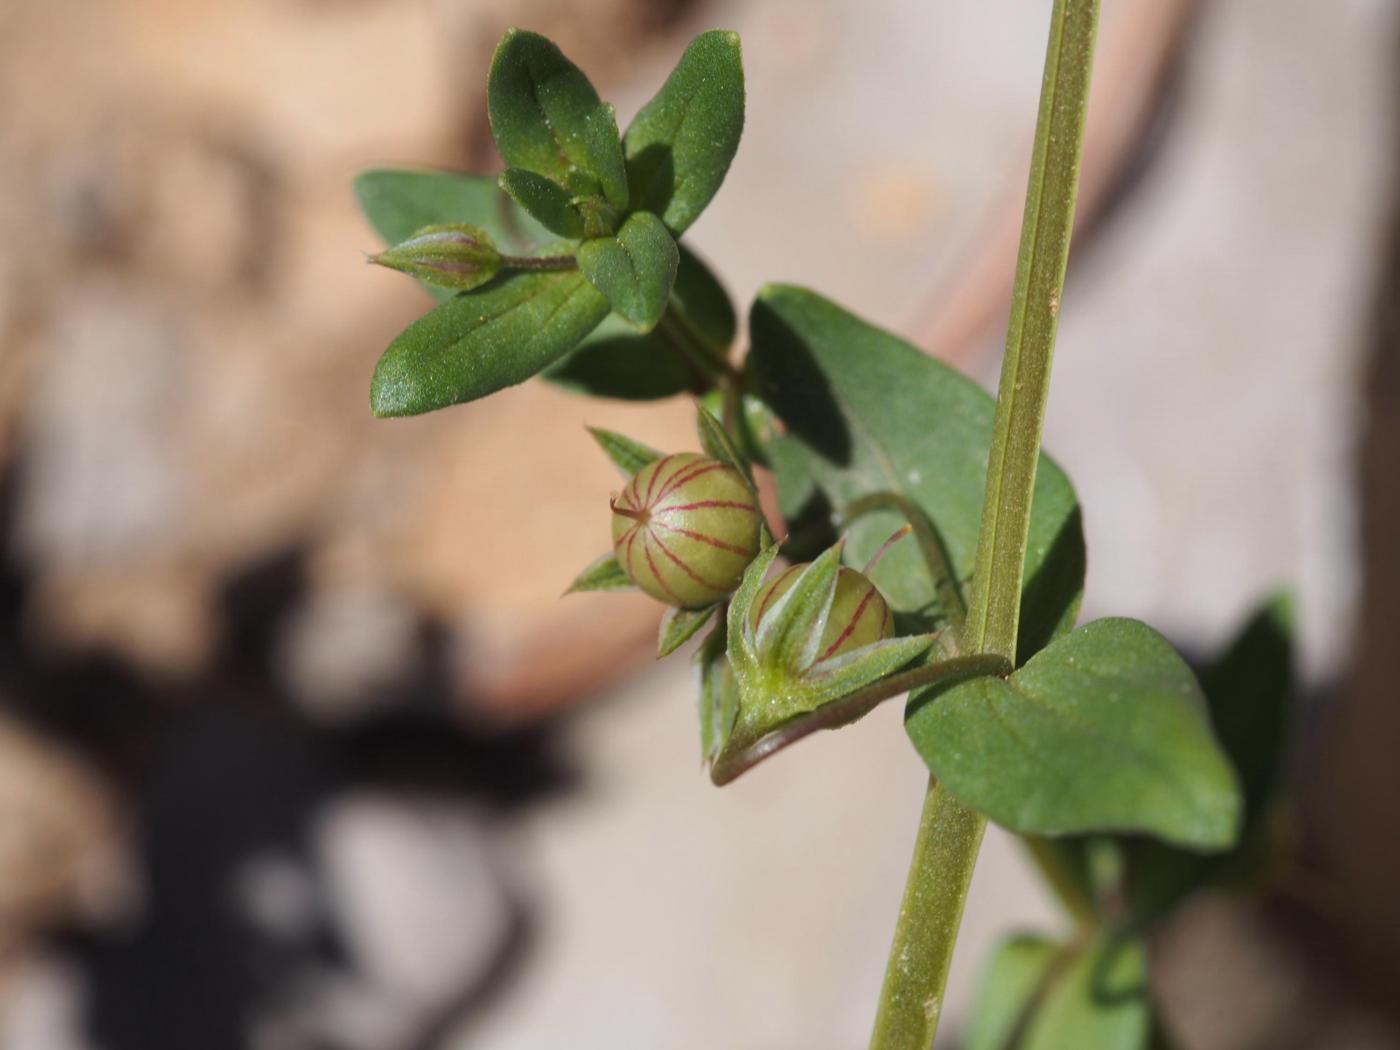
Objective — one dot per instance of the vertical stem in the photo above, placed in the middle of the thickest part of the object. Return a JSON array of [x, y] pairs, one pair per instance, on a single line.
[[950, 834], [945, 853]]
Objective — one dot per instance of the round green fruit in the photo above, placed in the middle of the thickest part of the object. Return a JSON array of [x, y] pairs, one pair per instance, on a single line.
[[685, 528], [859, 613]]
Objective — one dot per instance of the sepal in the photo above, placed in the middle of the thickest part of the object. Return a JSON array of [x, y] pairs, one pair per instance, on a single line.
[[604, 574]]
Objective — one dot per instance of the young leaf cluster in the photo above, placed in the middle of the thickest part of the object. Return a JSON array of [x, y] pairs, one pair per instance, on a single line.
[[583, 229]]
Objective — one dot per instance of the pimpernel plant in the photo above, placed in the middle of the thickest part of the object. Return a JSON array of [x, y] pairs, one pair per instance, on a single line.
[[930, 549]]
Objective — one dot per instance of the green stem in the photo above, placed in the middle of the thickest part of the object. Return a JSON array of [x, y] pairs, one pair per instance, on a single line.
[[945, 853], [539, 262], [950, 834], [853, 707]]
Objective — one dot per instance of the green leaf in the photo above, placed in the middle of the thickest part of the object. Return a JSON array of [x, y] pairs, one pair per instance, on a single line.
[[616, 361], [400, 203], [1250, 691], [627, 455], [700, 304], [545, 199], [1106, 729], [1008, 991], [717, 443], [678, 626], [485, 340], [680, 144], [865, 412], [634, 270], [538, 102], [605, 159], [1100, 1003], [604, 574]]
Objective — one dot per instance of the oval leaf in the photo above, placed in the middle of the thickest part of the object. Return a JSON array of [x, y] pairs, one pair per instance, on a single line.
[[400, 203], [866, 412], [634, 270], [1105, 730], [538, 103], [483, 341], [680, 144]]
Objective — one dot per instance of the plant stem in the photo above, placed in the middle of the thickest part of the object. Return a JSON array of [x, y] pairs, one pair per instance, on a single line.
[[539, 262], [853, 707], [950, 834], [945, 853]]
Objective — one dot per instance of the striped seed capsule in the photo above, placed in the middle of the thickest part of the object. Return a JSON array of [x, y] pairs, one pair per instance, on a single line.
[[685, 528], [859, 613]]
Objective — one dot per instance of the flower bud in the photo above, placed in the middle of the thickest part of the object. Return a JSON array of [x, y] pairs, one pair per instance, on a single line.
[[685, 528], [457, 257], [859, 613]]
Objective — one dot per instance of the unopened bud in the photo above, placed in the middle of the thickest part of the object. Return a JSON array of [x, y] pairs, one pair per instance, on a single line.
[[685, 528], [458, 257], [859, 614]]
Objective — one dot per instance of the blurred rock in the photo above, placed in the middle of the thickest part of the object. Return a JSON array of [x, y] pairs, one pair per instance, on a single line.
[[60, 859]]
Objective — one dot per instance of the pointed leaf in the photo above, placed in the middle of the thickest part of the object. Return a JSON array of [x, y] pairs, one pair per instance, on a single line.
[[678, 626], [538, 102], [627, 455], [546, 200], [604, 574], [865, 412], [790, 632], [634, 270], [717, 443], [485, 340], [1106, 729], [1099, 1003], [605, 155], [680, 144], [1010, 988]]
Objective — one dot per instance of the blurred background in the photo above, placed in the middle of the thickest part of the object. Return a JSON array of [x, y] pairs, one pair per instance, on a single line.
[[298, 746]]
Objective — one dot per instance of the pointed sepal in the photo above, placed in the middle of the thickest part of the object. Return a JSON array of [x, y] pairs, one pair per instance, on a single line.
[[627, 455], [604, 574], [678, 626]]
